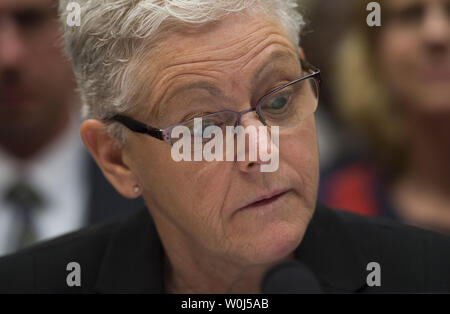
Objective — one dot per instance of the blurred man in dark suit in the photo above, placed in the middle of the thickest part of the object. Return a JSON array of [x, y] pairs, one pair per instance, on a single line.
[[48, 184]]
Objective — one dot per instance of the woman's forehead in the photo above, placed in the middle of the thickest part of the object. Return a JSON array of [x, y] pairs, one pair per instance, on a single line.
[[250, 48], [227, 40]]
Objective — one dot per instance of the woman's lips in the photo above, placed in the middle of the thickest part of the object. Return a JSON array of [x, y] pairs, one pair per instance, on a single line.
[[12, 97], [265, 199], [437, 73]]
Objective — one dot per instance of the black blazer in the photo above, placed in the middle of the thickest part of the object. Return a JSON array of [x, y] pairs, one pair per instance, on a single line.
[[126, 256]]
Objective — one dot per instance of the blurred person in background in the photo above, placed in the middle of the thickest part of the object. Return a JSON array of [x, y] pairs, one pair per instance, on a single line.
[[48, 184], [393, 88]]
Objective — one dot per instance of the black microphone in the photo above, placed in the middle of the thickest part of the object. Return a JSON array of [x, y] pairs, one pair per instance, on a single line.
[[290, 277]]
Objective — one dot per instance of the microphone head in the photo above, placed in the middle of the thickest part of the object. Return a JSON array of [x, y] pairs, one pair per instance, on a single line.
[[290, 277]]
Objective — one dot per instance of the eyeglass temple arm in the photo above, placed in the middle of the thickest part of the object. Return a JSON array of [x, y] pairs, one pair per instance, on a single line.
[[139, 127], [309, 67]]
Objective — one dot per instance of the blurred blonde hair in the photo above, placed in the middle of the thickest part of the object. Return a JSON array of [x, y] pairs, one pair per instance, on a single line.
[[363, 100]]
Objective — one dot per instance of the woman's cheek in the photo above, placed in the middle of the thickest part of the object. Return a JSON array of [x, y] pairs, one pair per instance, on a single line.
[[299, 151]]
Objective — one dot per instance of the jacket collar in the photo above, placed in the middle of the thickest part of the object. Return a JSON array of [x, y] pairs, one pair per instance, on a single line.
[[133, 262], [332, 253]]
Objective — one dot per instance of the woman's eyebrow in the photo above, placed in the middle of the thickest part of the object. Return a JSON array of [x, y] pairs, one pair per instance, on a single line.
[[163, 107], [211, 88], [275, 56]]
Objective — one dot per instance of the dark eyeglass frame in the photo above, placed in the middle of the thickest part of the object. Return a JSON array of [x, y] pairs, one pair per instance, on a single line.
[[164, 134]]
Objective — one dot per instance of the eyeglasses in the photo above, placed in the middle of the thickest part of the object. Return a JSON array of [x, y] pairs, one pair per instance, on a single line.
[[286, 106]]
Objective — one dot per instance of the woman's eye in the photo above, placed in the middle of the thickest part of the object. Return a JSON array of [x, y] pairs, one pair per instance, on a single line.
[[412, 14], [207, 131], [277, 103], [199, 129], [30, 18]]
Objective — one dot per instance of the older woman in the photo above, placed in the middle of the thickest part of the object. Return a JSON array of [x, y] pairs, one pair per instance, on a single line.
[[145, 67], [186, 63]]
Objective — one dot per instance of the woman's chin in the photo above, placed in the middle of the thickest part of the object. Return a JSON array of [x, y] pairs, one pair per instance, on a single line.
[[274, 246]]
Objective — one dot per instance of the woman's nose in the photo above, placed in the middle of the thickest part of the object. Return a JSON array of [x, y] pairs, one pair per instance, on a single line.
[[436, 25], [250, 118], [11, 44], [257, 139]]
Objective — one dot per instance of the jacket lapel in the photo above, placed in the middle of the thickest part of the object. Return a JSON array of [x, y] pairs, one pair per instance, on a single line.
[[133, 262], [332, 254]]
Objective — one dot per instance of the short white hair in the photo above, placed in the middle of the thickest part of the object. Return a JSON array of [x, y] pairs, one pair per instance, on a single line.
[[114, 36]]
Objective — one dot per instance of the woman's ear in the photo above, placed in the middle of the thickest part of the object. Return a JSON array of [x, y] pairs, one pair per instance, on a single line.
[[301, 53], [108, 154]]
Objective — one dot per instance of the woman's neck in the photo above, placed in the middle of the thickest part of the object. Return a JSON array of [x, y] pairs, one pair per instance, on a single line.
[[429, 155], [199, 273], [422, 193]]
